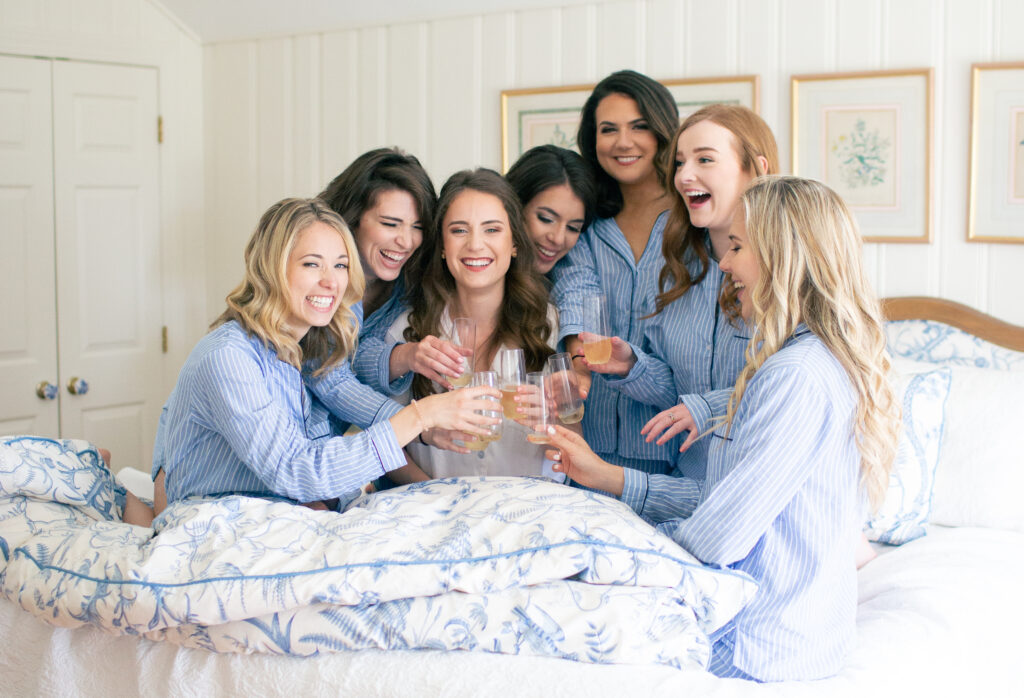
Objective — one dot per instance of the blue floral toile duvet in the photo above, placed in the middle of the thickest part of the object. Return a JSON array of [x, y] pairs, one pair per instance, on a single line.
[[509, 565]]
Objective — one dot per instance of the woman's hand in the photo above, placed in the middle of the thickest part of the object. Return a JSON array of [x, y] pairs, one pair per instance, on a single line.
[[672, 421], [576, 459], [458, 410], [437, 359], [620, 364], [447, 439]]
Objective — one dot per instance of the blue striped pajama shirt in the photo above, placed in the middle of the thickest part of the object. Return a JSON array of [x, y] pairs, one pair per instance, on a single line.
[[372, 361], [781, 502], [691, 353], [241, 421], [602, 262]]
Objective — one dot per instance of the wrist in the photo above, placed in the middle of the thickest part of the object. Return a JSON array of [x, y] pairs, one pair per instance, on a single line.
[[423, 425]]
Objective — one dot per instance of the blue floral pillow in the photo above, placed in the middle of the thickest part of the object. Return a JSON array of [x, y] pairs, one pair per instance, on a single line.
[[68, 471], [923, 390]]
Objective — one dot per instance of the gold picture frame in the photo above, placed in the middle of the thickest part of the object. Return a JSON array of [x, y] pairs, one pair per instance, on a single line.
[[869, 136], [995, 208], [541, 115]]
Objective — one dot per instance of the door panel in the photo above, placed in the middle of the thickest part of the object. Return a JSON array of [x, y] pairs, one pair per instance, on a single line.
[[28, 315], [108, 273]]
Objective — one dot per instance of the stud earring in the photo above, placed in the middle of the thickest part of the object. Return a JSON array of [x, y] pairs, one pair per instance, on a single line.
[[442, 254], [514, 252]]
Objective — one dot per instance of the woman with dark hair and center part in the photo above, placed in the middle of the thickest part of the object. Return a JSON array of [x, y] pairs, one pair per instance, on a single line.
[[626, 127], [479, 263]]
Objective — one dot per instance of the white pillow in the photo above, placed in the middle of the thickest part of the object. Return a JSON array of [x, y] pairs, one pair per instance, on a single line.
[[980, 476], [922, 390]]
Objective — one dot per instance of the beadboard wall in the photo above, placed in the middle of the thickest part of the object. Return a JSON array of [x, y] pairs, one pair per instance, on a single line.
[[284, 115]]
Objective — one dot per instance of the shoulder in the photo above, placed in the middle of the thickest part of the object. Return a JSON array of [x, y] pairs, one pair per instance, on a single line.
[[805, 365], [227, 346]]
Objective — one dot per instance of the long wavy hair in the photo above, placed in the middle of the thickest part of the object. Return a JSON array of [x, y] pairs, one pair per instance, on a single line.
[[523, 320], [546, 166], [657, 107], [260, 303], [682, 241], [357, 187], [808, 248]]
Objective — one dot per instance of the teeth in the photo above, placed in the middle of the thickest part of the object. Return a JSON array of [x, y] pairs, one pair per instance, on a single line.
[[692, 193], [738, 285], [321, 302], [628, 158], [546, 252], [393, 256], [476, 262]]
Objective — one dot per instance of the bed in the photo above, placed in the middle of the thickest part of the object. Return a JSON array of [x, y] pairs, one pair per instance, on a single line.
[[548, 573]]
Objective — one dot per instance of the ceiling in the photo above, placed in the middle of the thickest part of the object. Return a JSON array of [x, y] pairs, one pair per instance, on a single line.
[[226, 20]]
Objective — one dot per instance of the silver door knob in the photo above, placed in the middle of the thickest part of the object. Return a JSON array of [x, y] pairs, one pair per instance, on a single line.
[[77, 386], [46, 390]]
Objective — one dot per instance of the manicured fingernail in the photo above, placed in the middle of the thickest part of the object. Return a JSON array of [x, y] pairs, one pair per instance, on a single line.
[[551, 430]]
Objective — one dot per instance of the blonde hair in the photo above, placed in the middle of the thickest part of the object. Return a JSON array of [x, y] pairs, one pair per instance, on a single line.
[[808, 249], [753, 139], [260, 303]]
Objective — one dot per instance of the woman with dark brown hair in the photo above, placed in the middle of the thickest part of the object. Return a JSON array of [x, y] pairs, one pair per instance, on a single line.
[[479, 263]]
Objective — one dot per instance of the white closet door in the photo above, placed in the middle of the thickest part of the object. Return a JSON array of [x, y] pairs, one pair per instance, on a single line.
[[106, 170], [28, 316]]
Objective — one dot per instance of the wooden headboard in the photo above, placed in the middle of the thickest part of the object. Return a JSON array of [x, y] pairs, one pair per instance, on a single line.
[[957, 315]]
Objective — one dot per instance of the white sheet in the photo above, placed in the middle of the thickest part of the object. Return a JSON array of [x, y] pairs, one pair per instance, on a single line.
[[940, 616]]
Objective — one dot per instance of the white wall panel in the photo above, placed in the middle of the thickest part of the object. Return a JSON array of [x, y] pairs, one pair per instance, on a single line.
[[306, 134], [433, 88], [621, 27], [666, 38], [339, 105], [709, 53], [538, 47], [407, 88], [275, 130], [579, 44], [456, 105]]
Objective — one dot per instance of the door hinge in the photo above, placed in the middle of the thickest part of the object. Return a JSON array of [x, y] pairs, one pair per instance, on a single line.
[[163, 338], [159, 129]]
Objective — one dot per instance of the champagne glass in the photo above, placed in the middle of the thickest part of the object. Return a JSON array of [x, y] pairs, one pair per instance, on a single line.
[[464, 335], [479, 443], [564, 388], [598, 350], [540, 408], [511, 374]]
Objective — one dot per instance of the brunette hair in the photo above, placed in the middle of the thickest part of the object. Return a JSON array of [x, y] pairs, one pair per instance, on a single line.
[[356, 189], [523, 317], [658, 109], [546, 166], [753, 139], [260, 303]]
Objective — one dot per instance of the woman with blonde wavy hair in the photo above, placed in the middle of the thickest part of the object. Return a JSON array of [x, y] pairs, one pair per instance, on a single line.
[[247, 416], [807, 441]]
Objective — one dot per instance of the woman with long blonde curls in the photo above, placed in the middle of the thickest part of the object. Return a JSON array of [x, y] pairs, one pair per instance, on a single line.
[[245, 416], [808, 440]]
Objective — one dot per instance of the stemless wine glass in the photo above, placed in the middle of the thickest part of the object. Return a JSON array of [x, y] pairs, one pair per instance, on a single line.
[[564, 388], [464, 335], [598, 348], [479, 443], [511, 374], [538, 404]]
